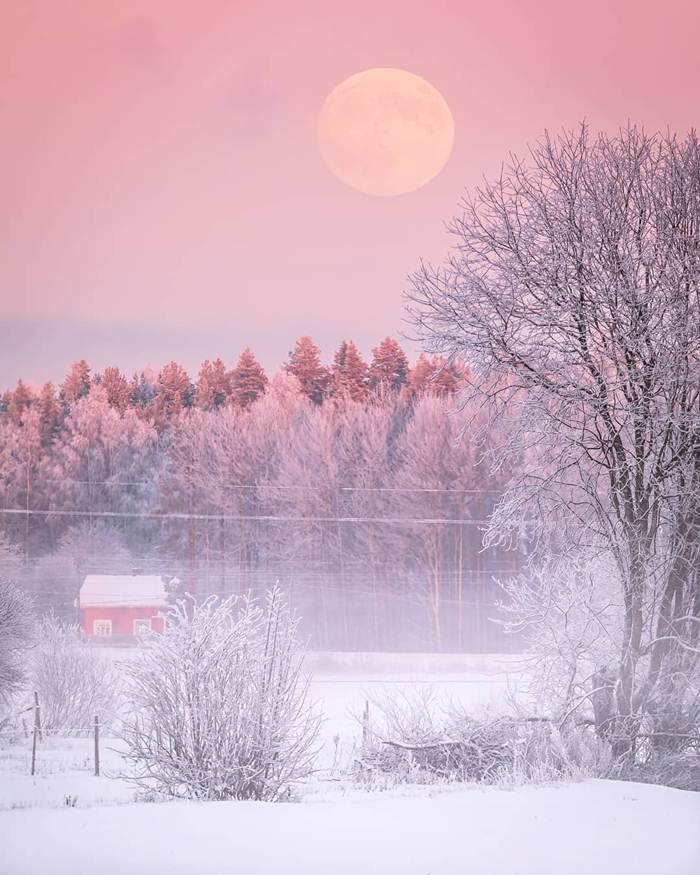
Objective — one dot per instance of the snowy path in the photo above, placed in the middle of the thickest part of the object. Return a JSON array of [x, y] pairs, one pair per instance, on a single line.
[[601, 827]]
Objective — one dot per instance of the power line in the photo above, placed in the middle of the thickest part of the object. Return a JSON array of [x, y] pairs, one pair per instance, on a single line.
[[280, 486], [218, 517]]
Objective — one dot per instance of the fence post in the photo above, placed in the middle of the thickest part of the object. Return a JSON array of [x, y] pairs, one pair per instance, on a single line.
[[97, 746], [365, 724], [37, 715], [37, 725]]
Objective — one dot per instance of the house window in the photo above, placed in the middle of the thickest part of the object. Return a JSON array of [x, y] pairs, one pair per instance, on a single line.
[[142, 627], [102, 628]]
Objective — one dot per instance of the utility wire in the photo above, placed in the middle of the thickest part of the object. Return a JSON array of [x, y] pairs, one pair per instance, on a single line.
[[116, 514]]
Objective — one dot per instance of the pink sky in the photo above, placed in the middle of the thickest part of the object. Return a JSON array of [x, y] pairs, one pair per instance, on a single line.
[[161, 192]]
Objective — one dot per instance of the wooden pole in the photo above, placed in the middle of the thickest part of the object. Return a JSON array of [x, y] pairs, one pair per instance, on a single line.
[[365, 725], [97, 746], [37, 715], [36, 731]]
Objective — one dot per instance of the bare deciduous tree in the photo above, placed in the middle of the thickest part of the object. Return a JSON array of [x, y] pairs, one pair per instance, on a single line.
[[16, 634], [574, 295]]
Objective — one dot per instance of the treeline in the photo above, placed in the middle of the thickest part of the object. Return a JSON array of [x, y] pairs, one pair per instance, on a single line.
[[360, 486]]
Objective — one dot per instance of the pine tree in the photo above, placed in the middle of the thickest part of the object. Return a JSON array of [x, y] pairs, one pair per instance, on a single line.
[[305, 364], [77, 383], [49, 413], [19, 402], [248, 379], [142, 391], [434, 376], [213, 385], [116, 388], [389, 368], [174, 393], [350, 373]]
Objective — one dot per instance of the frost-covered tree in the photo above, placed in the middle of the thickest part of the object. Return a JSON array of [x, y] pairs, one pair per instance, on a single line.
[[305, 364], [116, 388], [434, 376], [77, 382], [213, 385], [101, 462], [349, 373], [574, 294], [16, 635], [174, 393], [19, 401], [75, 684], [49, 413], [248, 379], [219, 705], [388, 369]]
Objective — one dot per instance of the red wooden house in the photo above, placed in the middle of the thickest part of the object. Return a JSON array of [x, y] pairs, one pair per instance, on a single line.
[[122, 606]]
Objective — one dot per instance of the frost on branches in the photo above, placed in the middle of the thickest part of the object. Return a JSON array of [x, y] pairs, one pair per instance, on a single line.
[[574, 295], [219, 704]]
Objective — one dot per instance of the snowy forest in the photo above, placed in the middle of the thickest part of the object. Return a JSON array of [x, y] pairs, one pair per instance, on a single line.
[[361, 488]]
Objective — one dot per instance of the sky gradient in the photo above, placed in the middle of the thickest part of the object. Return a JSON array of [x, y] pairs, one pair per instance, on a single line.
[[161, 191]]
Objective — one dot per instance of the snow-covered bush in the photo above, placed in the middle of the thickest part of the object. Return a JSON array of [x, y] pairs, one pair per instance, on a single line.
[[75, 684], [16, 634], [419, 740], [219, 704]]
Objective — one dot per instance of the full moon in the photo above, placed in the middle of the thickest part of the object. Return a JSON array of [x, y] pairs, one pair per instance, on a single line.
[[385, 131]]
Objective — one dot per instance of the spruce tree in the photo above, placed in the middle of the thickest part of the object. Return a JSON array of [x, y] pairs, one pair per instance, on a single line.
[[213, 385], [248, 379], [305, 364], [350, 373], [389, 367], [77, 382]]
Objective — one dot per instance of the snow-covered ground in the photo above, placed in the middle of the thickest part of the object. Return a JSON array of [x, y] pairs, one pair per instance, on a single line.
[[601, 827], [66, 820]]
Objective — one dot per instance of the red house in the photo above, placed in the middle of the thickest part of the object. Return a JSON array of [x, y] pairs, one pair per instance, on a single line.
[[122, 606]]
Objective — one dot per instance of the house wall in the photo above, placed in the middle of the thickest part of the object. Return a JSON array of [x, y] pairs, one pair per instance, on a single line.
[[122, 618]]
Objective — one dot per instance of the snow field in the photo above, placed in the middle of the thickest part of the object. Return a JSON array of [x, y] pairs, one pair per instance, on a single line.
[[66, 820]]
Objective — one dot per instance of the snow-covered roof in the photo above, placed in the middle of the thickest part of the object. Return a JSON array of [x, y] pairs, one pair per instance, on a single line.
[[123, 590]]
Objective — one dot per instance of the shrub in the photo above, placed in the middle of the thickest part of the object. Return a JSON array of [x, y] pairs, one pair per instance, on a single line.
[[74, 683], [421, 742], [219, 703]]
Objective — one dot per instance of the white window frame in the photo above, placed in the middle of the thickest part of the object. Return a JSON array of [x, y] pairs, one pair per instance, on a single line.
[[103, 624], [142, 620]]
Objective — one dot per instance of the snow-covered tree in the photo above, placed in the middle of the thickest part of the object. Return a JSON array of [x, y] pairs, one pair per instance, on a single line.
[[574, 294], [16, 635], [49, 413]]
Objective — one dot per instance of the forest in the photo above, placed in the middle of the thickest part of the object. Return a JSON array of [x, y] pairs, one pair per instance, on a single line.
[[361, 488]]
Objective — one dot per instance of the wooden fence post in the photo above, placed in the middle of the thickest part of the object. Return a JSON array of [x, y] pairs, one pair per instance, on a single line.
[[97, 746], [365, 724], [37, 728], [37, 715]]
